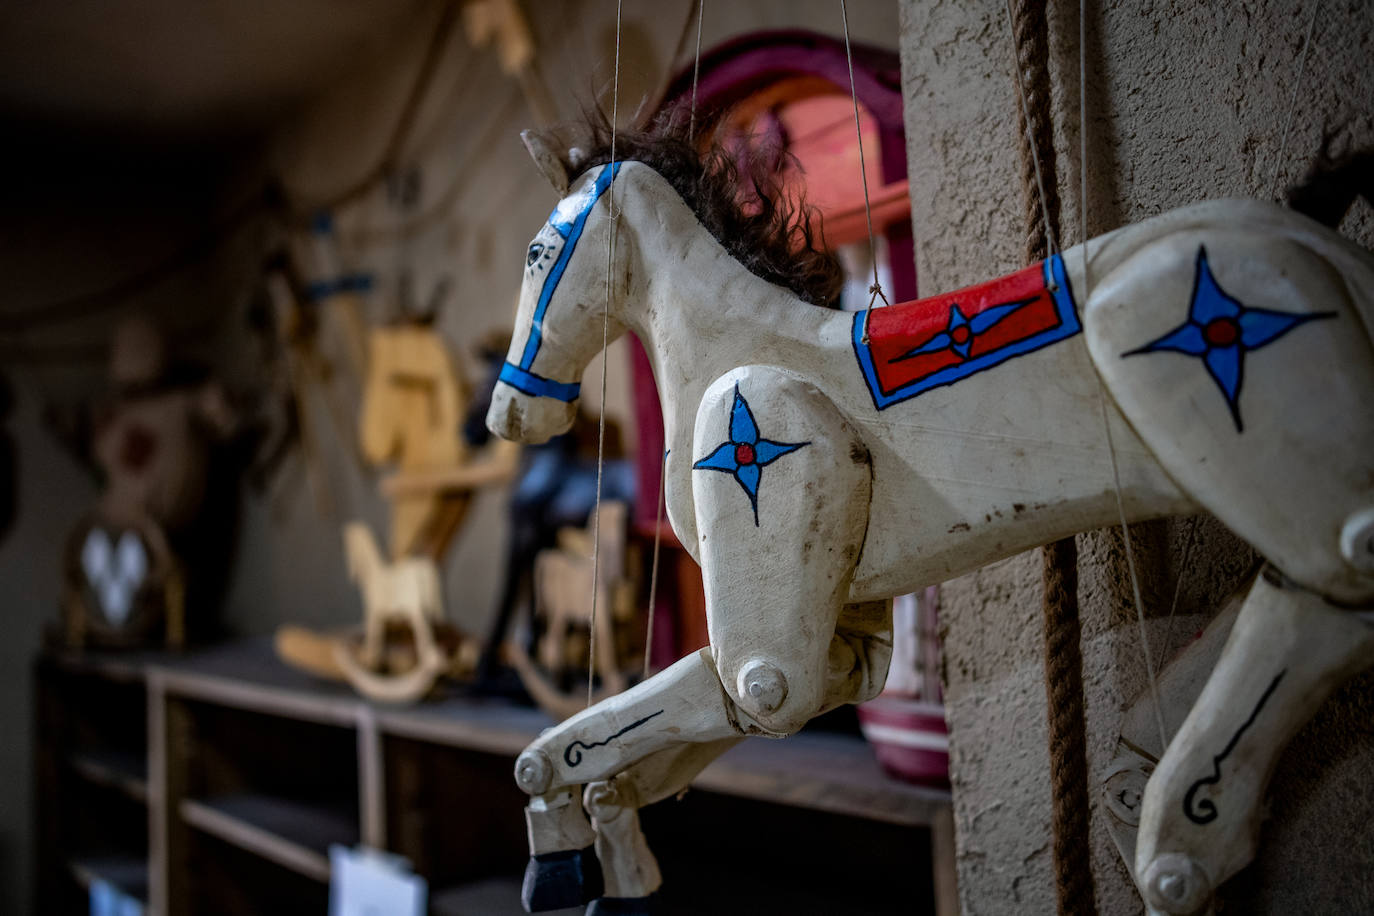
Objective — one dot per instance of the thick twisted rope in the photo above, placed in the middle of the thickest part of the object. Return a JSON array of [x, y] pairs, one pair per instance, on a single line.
[[1063, 658]]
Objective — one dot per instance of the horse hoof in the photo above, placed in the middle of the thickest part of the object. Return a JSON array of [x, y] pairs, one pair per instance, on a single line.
[[621, 906], [533, 772], [556, 880]]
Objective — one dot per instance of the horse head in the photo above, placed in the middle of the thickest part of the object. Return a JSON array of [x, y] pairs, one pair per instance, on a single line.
[[558, 326]]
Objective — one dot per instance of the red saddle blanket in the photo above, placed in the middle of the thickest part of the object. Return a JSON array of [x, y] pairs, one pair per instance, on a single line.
[[926, 343]]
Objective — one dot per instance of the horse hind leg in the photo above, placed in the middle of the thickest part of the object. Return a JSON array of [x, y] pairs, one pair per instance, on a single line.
[[1201, 811], [629, 869]]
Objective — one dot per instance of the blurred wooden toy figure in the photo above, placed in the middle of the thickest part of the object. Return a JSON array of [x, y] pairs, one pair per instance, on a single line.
[[412, 408], [820, 462], [563, 608], [412, 413], [406, 592], [152, 445]]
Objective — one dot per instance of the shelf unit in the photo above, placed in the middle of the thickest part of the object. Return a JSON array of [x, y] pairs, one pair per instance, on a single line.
[[215, 783], [91, 781]]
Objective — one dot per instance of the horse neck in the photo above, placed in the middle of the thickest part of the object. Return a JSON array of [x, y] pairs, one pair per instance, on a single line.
[[687, 289]]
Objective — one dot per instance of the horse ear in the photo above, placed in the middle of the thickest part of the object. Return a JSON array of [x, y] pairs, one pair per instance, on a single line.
[[547, 159]]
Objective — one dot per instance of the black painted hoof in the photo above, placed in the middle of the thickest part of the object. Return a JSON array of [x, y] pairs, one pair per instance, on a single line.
[[556, 880], [622, 906]]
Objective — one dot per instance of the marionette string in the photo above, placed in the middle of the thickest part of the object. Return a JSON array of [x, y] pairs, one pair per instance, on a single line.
[[875, 290], [1150, 670], [1293, 101], [696, 72], [653, 569], [1178, 590], [605, 342], [663, 467]]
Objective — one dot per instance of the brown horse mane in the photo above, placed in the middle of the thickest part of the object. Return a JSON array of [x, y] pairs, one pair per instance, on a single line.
[[738, 198]]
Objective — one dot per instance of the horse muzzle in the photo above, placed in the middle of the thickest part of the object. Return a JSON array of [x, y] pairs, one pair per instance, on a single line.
[[531, 419]]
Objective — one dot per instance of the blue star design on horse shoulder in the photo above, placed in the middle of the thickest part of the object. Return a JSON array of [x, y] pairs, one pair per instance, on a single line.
[[745, 454], [961, 332], [1221, 330]]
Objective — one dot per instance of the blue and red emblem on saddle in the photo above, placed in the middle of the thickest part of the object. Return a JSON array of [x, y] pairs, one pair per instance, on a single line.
[[926, 343]]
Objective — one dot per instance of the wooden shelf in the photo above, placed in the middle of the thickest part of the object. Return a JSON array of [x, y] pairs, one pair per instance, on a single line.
[[124, 772], [236, 740], [494, 727], [127, 873], [824, 772], [248, 675], [290, 833], [120, 667]]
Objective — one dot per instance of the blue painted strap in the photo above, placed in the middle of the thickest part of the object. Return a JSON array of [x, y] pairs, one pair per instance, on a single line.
[[538, 386], [347, 283], [574, 233]]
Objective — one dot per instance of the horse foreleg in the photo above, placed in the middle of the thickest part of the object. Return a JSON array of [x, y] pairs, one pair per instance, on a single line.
[[682, 703], [1201, 812], [857, 662], [781, 485]]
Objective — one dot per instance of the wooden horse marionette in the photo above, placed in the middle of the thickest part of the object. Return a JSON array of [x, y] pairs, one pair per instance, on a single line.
[[820, 462]]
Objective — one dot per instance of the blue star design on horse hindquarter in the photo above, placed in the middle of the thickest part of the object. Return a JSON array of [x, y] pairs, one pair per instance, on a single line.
[[746, 454], [1221, 330]]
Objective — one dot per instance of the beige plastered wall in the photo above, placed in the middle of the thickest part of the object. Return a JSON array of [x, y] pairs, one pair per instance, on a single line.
[[1186, 101]]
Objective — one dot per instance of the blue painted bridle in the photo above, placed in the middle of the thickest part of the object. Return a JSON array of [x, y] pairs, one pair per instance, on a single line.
[[520, 377]]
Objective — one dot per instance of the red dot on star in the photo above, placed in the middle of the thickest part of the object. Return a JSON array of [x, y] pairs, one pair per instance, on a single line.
[[960, 334], [744, 453], [1221, 332]]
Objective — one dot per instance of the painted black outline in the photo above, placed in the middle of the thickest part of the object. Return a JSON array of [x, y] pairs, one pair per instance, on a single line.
[[1208, 807], [572, 749]]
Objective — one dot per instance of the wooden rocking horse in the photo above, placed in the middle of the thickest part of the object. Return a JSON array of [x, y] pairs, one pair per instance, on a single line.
[[404, 591], [412, 408], [821, 462], [562, 598]]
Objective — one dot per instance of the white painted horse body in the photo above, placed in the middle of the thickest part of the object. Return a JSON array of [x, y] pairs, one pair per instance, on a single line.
[[1232, 335]]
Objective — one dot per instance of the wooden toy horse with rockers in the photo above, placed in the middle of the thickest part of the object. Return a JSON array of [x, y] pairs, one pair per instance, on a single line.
[[820, 462]]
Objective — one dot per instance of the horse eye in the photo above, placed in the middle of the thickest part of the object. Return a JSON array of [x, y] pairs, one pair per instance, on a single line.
[[535, 251]]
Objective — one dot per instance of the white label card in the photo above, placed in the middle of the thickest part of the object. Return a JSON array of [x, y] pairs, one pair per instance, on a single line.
[[365, 882]]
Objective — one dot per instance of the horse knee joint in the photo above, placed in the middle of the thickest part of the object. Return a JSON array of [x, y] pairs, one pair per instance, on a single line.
[[762, 690]]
